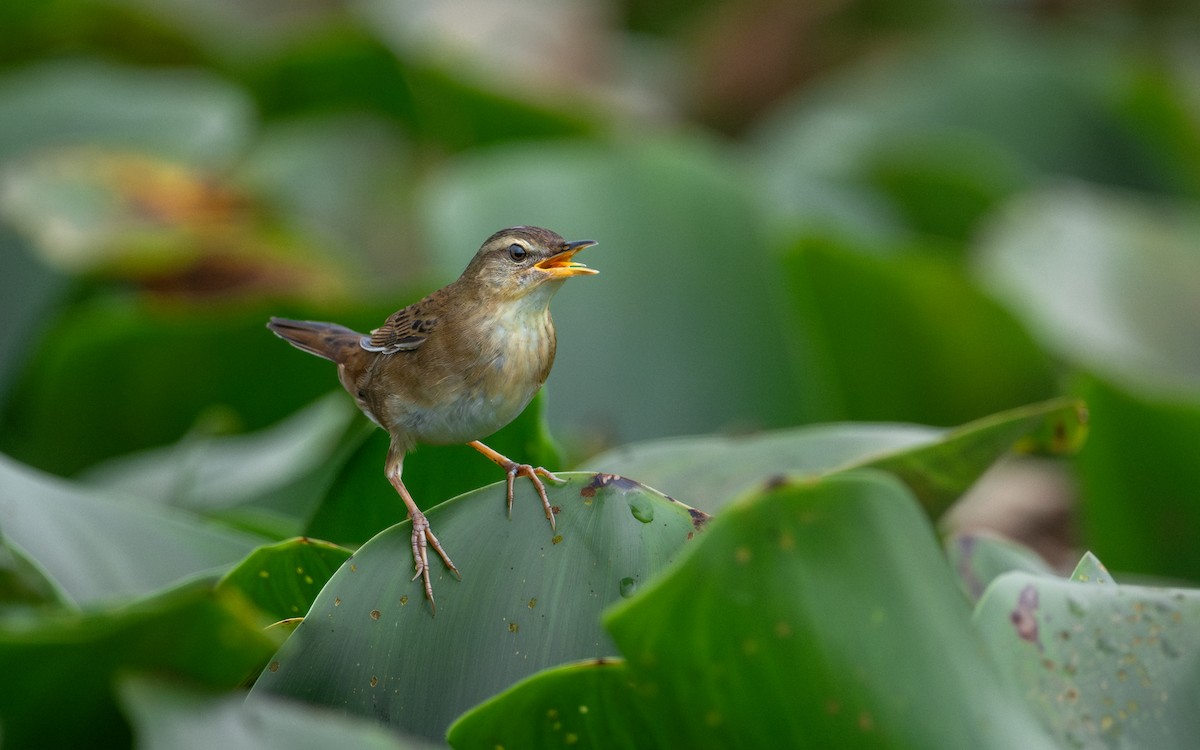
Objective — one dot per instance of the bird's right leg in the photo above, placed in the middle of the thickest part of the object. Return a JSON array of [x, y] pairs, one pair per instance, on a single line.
[[422, 536]]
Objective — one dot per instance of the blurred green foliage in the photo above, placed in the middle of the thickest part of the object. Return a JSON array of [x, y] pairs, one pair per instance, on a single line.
[[920, 211]]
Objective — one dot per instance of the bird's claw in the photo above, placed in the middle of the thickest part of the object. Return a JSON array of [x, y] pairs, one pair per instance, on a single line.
[[422, 539], [513, 470]]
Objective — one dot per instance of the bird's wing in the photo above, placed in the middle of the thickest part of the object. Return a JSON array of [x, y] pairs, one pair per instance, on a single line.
[[404, 330]]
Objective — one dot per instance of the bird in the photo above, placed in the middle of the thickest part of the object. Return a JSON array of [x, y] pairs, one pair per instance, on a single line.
[[458, 365]]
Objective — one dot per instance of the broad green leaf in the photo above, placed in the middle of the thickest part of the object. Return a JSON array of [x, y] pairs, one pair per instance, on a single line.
[[987, 109], [22, 582], [335, 179], [980, 558], [279, 473], [942, 184], [1101, 665], [1139, 479], [905, 337], [529, 598], [283, 579], [185, 115], [937, 464], [462, 95], [940, 471], [30, 293], [97, 546], [818, 613], [127, 374], [1108, 282], [581, 705], [169, 717], [60, 660], [360, 501]]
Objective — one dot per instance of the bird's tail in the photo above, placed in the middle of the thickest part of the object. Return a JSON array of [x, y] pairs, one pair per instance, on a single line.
[[328, 340]]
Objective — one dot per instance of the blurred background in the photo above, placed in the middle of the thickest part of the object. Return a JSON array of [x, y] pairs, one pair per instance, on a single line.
[[920, 211]]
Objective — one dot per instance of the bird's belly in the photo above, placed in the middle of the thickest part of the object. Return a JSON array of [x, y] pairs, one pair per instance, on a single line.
[[470, 417], [470, 400]]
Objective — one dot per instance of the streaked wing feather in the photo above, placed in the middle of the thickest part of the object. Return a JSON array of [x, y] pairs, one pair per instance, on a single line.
[[404, 330]]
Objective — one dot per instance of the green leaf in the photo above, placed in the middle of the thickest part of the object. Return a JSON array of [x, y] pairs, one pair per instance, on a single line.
[[30, 293], [278, 474], [360, 501], [335, 178], [22, 582], [193, 633], [169, 717], [818, 613], [128, 374], [980, 558], [529, 598], [283, 579], [186, 115], [1091, 570], [97, 546], [938, 465], [949, 352], [987, 109], [581, 705], [1102, 666], [1108, 282], [940, 471], [1139, 478]]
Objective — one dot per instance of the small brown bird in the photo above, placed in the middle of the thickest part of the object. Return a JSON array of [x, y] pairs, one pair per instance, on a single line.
[[458, 365]]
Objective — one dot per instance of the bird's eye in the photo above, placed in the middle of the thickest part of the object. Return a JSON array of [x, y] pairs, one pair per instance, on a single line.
[[517, 252]]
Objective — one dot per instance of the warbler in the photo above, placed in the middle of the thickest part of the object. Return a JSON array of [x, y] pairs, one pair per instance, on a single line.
[[458, 365]]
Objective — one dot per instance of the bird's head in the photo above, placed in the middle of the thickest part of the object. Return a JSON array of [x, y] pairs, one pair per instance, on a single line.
[[522, 262]]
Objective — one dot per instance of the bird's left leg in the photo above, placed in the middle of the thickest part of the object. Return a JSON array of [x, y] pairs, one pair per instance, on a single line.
[[422, 535], [513, 470]]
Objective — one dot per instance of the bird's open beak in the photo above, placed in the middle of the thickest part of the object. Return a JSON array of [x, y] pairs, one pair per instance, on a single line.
[[560, 265]]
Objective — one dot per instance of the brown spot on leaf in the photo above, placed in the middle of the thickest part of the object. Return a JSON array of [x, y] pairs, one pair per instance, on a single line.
[[699, 518], [865, 721], [274, 666], [601, 480], [375, 614], [774, 482], [1024, 616]]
